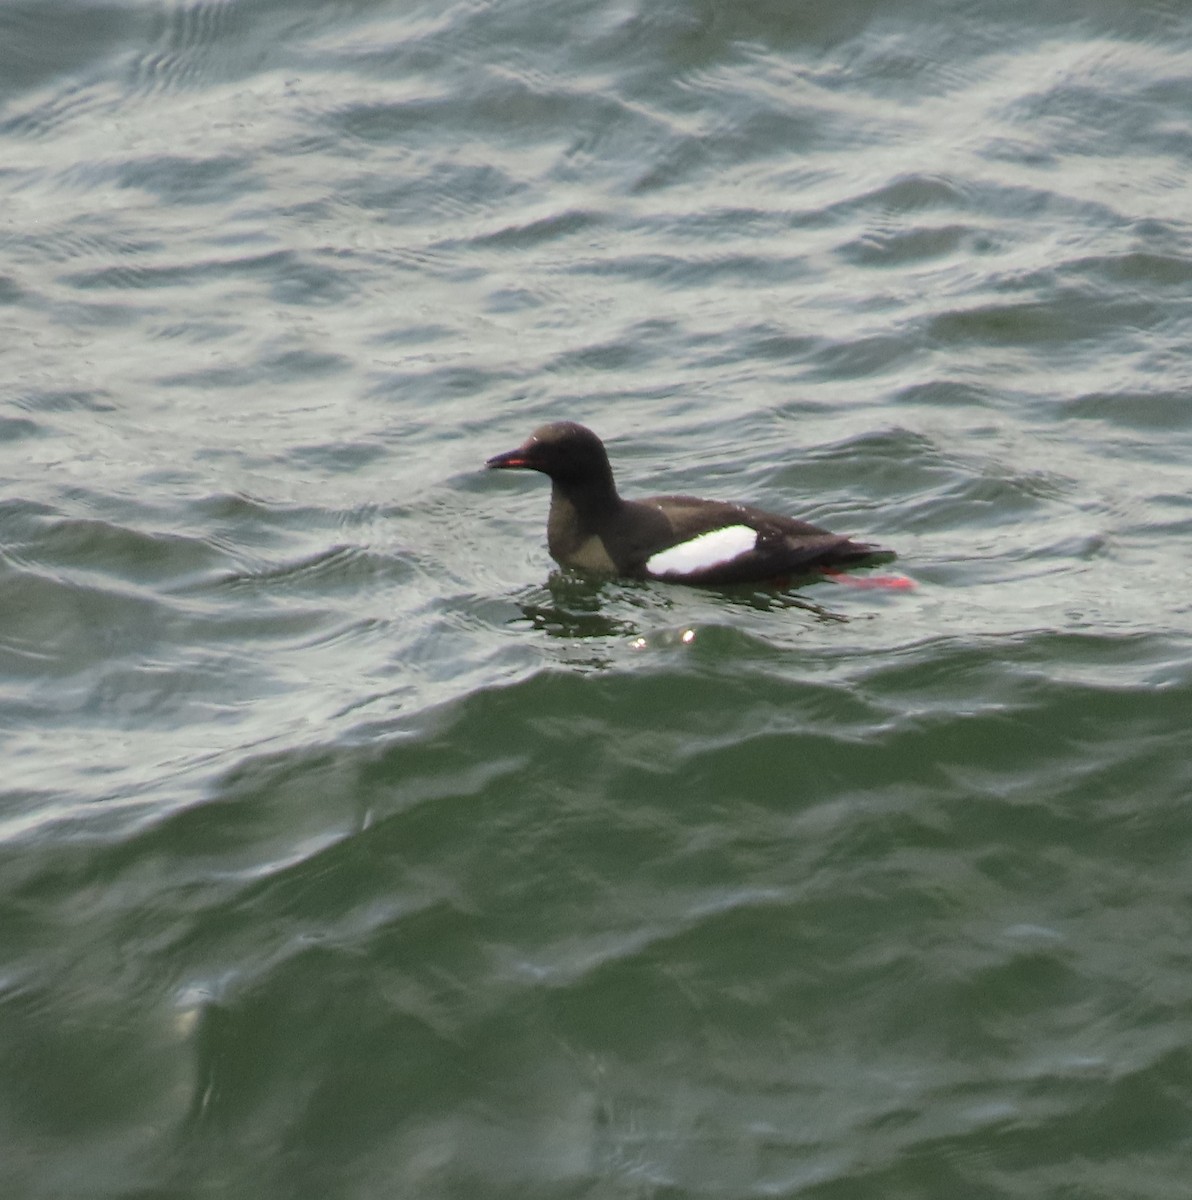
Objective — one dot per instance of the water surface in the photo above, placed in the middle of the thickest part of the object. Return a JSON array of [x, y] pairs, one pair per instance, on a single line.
[[349, 850]]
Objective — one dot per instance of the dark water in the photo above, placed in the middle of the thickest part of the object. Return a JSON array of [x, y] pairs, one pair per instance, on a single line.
[[345, 850]]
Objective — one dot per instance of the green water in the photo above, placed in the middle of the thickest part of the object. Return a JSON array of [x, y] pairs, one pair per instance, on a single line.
[[349, 850]]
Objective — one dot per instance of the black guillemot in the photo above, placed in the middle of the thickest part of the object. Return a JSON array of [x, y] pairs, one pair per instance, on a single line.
[[679, 539]]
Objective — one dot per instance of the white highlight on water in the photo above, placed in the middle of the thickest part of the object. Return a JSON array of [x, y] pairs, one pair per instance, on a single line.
[[707, 550]]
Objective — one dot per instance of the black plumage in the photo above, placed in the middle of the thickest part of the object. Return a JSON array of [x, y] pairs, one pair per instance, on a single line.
[[675, 538]]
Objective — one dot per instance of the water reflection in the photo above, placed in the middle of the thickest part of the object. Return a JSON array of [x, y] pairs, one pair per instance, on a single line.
[[574, 606]]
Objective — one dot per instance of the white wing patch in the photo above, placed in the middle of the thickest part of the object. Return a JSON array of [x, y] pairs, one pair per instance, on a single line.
[[708, 550]]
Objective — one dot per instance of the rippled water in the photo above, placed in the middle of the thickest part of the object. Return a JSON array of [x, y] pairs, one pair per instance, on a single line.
[[346, 849]]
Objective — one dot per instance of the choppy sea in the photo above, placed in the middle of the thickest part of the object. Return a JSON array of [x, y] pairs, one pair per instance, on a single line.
[[348, 849]]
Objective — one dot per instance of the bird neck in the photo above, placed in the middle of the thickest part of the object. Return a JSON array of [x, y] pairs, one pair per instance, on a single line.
[[590, 499], [578, 511]]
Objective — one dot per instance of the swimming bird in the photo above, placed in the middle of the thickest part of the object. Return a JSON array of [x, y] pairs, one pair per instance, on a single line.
[[677, 539]]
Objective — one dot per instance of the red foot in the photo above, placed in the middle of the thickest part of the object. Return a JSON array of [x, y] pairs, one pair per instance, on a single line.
[[890, 583]]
